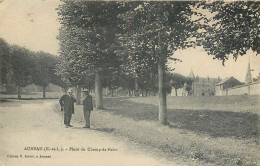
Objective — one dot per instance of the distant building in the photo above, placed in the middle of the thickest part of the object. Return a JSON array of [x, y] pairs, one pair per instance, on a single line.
[[222, 86], [232, 86], [203, 86]]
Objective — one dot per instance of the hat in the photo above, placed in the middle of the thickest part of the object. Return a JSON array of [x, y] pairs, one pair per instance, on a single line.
[[85, 90], [70, 91]]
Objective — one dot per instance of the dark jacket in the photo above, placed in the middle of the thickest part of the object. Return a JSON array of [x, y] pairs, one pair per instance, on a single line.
[[67, 102], [87, 103]]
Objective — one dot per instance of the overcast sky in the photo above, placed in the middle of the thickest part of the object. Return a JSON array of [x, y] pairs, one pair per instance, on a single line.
[[33, 24]]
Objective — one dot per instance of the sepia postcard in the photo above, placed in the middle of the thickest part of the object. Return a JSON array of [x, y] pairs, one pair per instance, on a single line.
[[129, 83]]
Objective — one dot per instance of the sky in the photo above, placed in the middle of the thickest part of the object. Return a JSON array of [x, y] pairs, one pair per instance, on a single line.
[[34, 25]]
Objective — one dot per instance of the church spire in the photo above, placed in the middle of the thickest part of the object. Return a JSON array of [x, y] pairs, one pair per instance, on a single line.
[[248, 74], [191, 75]]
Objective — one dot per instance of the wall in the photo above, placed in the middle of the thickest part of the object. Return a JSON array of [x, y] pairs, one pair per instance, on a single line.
[[255, 88], [250, 89], [239, 90], [219, 91]]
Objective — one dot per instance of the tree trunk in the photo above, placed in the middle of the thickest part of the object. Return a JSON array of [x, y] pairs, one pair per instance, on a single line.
[[161, 89], [176, 93], [44, 92], [116, 92], [19, 93], [129, 92], [112, 93], [98, 90], [78, 95]]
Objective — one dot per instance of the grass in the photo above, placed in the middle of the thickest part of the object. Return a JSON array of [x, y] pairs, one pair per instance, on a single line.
[[214, 123], [202, 130], [242, 103]]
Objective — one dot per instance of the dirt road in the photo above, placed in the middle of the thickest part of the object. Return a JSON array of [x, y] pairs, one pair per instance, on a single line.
[[32, 134]]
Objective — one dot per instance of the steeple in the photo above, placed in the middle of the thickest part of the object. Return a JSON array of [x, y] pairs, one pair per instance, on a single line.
[[248, 74], [191, 75]]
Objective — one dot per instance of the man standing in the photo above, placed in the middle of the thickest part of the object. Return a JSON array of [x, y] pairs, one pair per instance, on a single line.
[[87, 107], [67, 105]]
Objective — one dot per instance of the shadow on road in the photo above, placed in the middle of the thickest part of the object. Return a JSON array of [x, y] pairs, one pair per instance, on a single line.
[[106, 130]]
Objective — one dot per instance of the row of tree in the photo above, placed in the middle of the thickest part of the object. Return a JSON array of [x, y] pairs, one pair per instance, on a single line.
[[104, 39], [21, 67]]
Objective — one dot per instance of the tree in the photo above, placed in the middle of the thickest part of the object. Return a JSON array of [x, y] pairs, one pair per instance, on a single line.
[[88, 37], [6, 70], [23, 67], [234, 30], [177, 81], [59, 76], [62, 71], [163, 27], [112, 79], [188, 87], [44, 72]]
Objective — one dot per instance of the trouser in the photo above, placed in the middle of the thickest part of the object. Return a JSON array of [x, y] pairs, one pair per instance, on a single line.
[[87, 118], [67, 118]]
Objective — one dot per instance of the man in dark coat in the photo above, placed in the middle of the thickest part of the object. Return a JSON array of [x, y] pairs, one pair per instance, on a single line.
[[87, 107], [67, 106]]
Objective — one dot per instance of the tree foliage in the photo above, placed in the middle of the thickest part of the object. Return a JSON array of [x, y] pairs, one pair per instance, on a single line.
[[88, 39], [44, 68], [21, 67], [6, 71], [44, 73], [177, 81], [233, 29]]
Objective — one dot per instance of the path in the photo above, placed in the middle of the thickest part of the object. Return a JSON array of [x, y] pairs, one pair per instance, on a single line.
[[35, 124]]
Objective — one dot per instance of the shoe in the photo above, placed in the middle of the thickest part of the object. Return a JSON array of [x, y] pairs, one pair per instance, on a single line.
[[86, 127], [70, 125]]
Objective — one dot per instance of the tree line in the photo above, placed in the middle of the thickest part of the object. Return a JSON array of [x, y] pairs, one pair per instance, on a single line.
[[21, 67]]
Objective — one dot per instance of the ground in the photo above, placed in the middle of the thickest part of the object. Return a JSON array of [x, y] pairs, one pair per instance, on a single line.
[[202, 130], [28, 124]]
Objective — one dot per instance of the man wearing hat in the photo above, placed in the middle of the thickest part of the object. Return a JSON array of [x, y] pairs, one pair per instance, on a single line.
[[87, 107], [67, 105]]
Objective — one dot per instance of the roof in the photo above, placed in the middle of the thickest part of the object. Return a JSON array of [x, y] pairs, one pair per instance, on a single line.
[[224, 80]]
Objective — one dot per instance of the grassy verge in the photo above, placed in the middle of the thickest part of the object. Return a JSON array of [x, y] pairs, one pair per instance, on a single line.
[[194, 136]]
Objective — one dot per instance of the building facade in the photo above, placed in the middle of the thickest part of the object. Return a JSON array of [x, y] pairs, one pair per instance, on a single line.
[[203, 86]]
